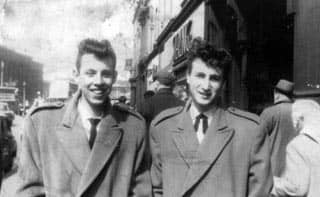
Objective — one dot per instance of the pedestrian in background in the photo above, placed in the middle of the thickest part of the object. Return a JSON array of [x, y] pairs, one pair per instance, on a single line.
[[276, 121], [301, 175], [8, 147], [181, 93], [164, 98], [148, 94], [202, 149], [87, 147]]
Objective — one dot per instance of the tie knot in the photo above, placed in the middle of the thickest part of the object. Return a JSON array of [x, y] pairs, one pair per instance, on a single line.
[[94, 121], [202, 116]]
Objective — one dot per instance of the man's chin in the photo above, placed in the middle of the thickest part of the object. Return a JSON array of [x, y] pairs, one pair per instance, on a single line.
[[205, 103], [98, 102]]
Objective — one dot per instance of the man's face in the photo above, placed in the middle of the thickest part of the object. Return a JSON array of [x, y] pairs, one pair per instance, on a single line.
[[204, 83], [95, 79]]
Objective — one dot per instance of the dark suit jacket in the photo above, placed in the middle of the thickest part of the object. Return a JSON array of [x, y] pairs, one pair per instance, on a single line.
[[232, 160], [276, 121], [162, 100], [56, 159]]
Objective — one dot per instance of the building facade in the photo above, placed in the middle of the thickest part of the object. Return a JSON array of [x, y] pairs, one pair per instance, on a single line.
[[269, 40], [21, 72]]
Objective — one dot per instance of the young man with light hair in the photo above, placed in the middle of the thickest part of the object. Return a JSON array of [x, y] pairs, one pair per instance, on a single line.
[[86, 147]]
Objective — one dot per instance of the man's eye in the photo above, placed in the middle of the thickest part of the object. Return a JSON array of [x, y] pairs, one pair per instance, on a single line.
[[200, 75], [90, 73], [106, 73], [215, 78]]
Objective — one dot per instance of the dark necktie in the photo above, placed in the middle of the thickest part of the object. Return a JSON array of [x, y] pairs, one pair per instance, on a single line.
[[93, 130], [204, 119]]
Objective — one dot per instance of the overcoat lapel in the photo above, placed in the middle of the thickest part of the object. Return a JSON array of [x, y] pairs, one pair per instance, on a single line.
[[72, 136], [217, 137], [185, 138], [108, 138]]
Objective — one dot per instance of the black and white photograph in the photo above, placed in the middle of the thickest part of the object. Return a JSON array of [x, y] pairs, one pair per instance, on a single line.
[[159, 98]]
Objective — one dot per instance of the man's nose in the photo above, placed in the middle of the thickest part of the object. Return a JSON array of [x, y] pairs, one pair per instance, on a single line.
[[206, 84], [97, 79]]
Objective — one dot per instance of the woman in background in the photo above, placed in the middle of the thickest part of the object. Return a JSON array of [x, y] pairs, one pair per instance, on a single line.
[[301, 176]]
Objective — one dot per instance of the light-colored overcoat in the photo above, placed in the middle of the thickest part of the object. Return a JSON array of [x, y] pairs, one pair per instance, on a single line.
[[232, 160], [56, 160], [301, 176]]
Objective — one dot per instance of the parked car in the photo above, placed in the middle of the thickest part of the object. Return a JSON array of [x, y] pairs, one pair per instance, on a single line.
[[5, 111], [8, 146]]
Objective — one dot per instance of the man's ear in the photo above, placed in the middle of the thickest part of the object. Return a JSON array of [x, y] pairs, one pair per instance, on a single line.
[[75, 75], [115, 75], [188, 77]]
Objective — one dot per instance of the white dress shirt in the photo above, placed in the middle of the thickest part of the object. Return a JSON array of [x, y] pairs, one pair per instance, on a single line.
[[85, 114], [194, 112]]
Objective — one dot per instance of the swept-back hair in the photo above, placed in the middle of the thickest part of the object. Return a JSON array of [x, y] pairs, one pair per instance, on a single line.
[[100, 49]]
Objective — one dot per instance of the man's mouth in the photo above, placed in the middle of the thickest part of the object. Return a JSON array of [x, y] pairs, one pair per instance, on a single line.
[[205, 94], [98, 91]]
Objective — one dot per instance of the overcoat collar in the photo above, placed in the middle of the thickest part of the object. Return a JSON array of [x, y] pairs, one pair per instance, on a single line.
[[88, 162], [72, 135], [105, 144], [200, 157], [284, 100]]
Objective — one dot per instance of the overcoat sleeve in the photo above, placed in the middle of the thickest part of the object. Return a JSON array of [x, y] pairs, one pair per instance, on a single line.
[[141, 186], [260, 176], [30, 182], [267, 122], [156, 168], [296, 176]]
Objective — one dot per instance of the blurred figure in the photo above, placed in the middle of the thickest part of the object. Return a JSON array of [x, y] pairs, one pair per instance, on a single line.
[[122, 99], [181, 93], [148, 94], [8, 146], [301, 176], [276, 121], [163, 98], [122, 103], [39, 101]]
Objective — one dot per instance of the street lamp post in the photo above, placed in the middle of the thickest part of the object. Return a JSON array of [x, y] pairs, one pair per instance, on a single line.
[[2, 68], [24, 96]]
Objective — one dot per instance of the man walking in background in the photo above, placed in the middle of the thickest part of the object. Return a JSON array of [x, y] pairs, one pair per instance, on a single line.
[[203, 150], [163, 98], [277, 123], [87, 147]]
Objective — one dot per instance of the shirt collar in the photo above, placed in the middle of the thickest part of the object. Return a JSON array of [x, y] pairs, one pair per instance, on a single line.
[[85, 112], [194, 112]]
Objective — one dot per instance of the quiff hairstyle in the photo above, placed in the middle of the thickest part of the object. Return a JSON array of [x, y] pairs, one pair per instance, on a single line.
[[102, 50], [212, 56]]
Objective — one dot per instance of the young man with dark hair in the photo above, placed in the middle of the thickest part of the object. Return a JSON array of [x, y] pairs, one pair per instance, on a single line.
[[87, 147], [203, 150]]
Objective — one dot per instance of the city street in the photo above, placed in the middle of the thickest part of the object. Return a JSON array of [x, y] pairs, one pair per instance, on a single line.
[[9, 183]]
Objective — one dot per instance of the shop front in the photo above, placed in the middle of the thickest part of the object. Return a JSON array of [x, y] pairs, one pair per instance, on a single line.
[[257, 34], [199, 21]]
